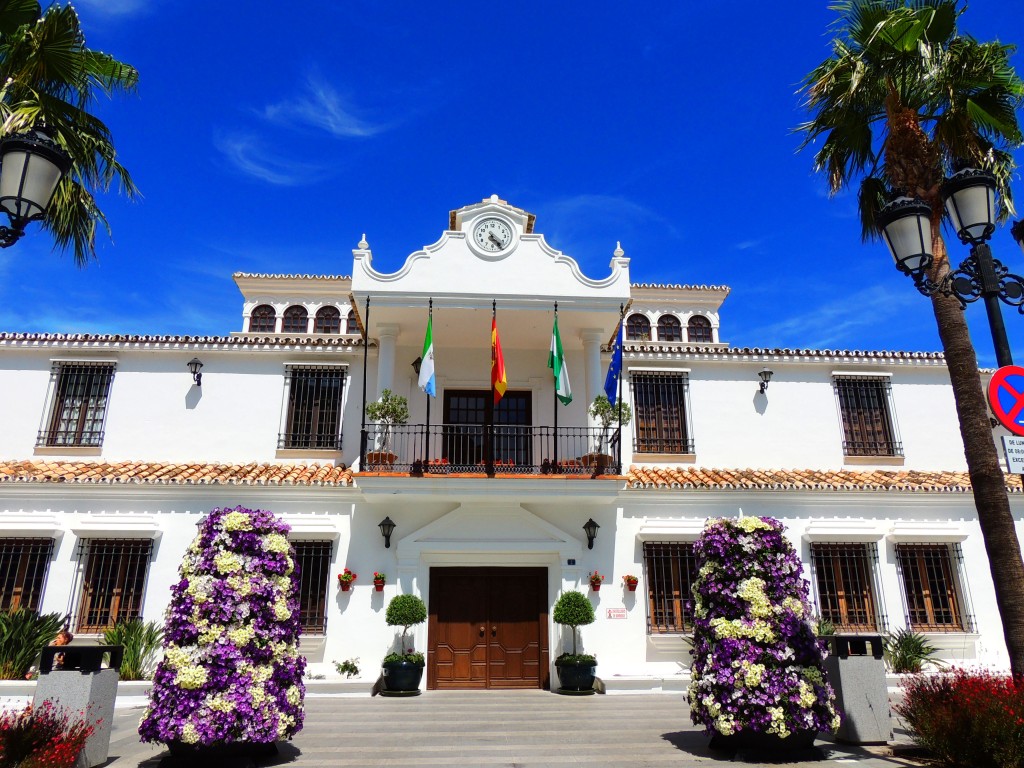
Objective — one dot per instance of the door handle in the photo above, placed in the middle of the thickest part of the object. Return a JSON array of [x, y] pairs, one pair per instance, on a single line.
[[494, 631], [482, 630]]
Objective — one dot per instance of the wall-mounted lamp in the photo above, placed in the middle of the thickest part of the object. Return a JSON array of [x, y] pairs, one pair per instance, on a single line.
[[194, 367], [387, 527], [416, 365], [591, 530], [766, 376]]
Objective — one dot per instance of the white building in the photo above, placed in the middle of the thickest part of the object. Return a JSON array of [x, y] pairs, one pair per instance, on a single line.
[[111, 453]]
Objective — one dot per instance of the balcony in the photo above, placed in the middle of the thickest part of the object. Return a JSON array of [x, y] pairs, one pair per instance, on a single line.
[[473, 449]]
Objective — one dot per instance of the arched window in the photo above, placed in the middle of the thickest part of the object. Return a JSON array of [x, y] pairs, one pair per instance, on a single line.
[[296, 320], [328, 320], [699, 329], [638, 328], [263, 319], [351, 326], [669, 328]]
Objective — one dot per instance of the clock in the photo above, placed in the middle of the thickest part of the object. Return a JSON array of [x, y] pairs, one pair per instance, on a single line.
[[492, 235]]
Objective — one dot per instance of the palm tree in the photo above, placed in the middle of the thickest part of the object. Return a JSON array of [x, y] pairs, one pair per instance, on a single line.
[[904, 100], [48, 76]]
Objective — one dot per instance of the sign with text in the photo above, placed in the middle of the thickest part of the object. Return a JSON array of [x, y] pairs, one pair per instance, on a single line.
[[617, 613], [1014, 447], [1006, 397]]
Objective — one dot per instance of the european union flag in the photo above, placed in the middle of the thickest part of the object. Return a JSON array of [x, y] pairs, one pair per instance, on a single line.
[[611, 381]]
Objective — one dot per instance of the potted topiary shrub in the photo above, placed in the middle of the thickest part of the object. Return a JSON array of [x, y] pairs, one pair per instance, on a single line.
[[390, 410], [576, 671], [403, 670], [608, 414], [757, 678]]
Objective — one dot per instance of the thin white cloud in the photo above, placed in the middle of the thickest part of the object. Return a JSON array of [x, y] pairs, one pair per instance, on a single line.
[[324, 108], [249, 156]]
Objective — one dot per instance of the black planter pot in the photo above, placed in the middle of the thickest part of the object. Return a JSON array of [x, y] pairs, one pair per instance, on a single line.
[[402, 676], [766, 743], [199, 755], [575, 676]]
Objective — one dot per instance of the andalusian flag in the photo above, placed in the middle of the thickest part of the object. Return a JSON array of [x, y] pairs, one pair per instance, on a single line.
[[427, 381], [556, 362], [499, 379]]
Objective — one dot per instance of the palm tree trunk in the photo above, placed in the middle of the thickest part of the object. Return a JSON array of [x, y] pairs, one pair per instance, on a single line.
[[987, 480]]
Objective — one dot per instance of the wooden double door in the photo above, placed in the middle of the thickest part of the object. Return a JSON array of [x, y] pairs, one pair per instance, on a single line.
[[488, 628]]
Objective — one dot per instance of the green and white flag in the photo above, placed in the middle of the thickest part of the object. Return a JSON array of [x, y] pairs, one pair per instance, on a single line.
[[556, 362], [428, 382]]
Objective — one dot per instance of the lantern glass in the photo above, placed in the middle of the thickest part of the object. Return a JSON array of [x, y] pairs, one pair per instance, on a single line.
[[907, 229], [970, 198], [30, 171]]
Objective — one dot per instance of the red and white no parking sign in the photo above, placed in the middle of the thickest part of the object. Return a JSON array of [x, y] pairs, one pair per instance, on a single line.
[[1006, 396]]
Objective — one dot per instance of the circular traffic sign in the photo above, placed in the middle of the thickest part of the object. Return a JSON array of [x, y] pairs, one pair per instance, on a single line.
[[1006, 397]]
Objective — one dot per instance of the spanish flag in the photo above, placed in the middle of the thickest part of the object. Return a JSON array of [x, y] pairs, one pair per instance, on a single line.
[[499, 380]]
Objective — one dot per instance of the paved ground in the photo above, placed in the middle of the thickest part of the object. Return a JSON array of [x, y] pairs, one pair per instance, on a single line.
[[524, 729]]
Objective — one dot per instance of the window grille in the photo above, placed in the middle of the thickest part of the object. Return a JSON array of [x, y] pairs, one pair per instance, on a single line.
[[313, 560], [23, 567], [79, 408], [638, 328], [114, 583], [868, 426], [929, 588], [295, 320], [314, 402], [661, 416], [698, 329], [669, 328], [671, 570], [844, 575], [351, 326], [263, 319], [328, 320]]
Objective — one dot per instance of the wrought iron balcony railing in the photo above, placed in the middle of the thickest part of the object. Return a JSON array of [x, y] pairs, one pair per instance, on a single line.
[[442, 449]]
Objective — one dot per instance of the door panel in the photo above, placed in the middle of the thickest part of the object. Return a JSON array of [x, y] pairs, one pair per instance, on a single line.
[[487, 628]]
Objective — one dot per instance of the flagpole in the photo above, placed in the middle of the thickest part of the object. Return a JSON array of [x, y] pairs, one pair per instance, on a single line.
[[426, 435], [554, 403], [489, 411], [362, 432], [618, 458]]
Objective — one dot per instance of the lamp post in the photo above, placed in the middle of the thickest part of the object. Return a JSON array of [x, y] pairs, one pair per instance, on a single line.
[[969, 197], [31, 167]]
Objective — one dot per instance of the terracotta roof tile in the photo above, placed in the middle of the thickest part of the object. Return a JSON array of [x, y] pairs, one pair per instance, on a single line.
[[790, 479], [139, 472]]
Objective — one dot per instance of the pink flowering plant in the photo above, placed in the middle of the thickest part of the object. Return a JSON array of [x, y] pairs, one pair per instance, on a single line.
[[757, 665], [231, 670]]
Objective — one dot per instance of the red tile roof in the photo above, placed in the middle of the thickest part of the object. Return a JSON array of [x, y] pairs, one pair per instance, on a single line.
[[131, 472]]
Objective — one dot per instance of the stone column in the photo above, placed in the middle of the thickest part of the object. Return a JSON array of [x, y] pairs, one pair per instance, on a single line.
[[387, 337], [592, 339]]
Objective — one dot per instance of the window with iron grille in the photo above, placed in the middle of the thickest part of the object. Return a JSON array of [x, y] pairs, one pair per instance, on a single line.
[[351, 326], [313, 402], [671, 570], [865, 407], [698, 329], [328, 320], [661, 415], [313, 559], [295, 320], [669, 328], [929, 588], [23, 567], [114, 582], [78, 410], [638, 328], [844, 576], [263, 319]]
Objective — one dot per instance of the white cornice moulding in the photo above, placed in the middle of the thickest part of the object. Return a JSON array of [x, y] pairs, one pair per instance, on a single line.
[[844, 530], [47, 525], [682, 530], [306, 527], [926, 532], [122, 526]]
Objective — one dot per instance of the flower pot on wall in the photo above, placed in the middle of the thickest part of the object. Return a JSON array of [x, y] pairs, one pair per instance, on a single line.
[[596, 586], [346, 586], [631, 586], [378, 586], [380, 459]]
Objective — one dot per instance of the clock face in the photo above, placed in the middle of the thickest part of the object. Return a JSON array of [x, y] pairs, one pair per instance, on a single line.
[[492, 235]]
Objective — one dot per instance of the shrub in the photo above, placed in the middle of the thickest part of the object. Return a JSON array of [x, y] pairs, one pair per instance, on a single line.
[[907, 651], [42, 737], [23, 635], [757, 666], [141, 641], [348, 667], [405, 611], [231, 671], [966, 717], [573, 609]]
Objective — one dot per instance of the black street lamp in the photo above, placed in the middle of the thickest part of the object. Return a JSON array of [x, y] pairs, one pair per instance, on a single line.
[[31, 167], [969, 197]]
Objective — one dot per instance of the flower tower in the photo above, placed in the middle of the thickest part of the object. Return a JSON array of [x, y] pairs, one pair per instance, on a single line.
[[757, 676], [231, 672]]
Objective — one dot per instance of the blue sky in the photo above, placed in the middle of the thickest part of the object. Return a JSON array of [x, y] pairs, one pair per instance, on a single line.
[[269, 138]]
